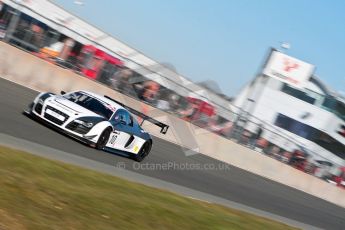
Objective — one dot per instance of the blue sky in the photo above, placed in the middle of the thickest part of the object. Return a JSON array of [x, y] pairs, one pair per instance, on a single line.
[[225, 40]]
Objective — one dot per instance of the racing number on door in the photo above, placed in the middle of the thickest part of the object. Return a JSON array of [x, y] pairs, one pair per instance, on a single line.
[[114, 137]]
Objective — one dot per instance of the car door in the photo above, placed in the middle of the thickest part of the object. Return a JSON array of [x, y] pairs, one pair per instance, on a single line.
[[122, 133]]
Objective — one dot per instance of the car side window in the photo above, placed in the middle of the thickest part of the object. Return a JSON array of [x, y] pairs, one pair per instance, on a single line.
[[130, 121], [119, 115], [128, 118], [123, 115]]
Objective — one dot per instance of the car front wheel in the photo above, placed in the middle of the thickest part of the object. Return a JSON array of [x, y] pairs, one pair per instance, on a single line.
[[103, 139]]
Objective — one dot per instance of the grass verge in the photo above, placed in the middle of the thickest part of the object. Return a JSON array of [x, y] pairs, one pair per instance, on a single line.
[[36, 193]]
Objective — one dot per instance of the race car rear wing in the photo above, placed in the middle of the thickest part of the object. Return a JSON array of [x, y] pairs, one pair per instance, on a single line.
[[164, 127]]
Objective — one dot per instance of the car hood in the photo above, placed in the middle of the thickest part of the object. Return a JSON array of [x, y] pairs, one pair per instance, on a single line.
[[72, 107]]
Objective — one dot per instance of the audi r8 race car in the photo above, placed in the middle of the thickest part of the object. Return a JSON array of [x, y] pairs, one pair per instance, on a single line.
[[98, 121]]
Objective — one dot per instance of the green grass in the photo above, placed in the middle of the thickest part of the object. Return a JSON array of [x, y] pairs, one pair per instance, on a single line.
[[36, 193]]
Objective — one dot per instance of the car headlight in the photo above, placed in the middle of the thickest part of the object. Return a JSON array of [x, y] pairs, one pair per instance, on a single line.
[[43, 97], [88, 122], [84, 123]]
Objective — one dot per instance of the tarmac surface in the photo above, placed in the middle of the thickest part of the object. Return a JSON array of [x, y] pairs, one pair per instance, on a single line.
[[167, 162]]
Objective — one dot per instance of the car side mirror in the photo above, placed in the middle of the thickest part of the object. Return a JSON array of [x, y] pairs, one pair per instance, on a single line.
[[62, 92]]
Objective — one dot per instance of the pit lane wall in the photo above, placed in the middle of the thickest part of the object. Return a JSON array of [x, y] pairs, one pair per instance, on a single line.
[[30, 71]]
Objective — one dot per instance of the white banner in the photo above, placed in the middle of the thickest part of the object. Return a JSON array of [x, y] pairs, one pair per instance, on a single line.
[[288, 69]]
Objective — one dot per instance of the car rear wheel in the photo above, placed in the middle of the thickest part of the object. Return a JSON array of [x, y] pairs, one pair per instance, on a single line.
[[144, 151], [103, 139]]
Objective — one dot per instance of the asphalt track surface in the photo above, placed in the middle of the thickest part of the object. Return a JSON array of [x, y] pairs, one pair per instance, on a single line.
[[232, 184]]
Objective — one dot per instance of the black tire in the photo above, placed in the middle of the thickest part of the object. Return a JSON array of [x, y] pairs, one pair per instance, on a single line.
[[144, 151], [103, 139]]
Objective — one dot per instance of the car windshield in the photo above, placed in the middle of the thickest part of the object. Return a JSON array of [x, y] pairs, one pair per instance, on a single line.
[[90, 103]]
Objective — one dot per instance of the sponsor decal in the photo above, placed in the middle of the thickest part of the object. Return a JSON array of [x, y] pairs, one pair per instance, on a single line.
[[290, 65], [288, 69], [136, 149]]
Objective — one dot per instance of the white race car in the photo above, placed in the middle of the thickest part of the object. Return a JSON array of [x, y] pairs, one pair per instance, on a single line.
[[99, 121]]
